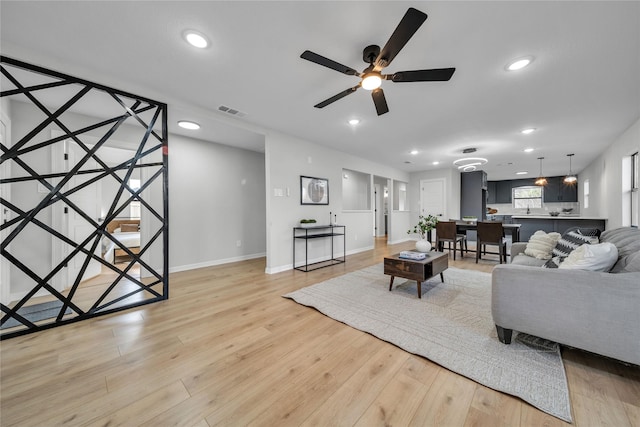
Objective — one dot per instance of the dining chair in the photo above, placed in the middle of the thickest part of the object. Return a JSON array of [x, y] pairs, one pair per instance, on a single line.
[[461, 232], [491, 233], [446, 232]]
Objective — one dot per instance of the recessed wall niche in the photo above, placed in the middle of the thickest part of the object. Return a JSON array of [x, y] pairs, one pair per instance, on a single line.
[[356, 191], [83, 186]]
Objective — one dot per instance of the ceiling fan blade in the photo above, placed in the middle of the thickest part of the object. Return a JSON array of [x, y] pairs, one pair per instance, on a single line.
[[435, 75], [326, 62], [334, 98], [411, 21], [380, 101]]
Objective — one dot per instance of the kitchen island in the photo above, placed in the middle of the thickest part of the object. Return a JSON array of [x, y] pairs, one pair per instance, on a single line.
[[532, 223]]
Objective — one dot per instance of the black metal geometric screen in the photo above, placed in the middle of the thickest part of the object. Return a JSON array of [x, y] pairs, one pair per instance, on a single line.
[[83, 166]]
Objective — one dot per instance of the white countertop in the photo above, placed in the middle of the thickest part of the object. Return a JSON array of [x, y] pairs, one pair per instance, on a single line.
[[557, 217]]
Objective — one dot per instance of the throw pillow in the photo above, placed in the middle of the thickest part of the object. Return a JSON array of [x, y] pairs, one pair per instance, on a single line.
[[541, 244], [571, 240], [598, 257]]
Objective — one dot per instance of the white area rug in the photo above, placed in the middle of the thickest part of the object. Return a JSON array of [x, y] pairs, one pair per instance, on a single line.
[[451, 325]]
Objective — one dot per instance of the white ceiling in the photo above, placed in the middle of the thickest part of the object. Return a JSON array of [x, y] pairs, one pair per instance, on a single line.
[[581, 92]]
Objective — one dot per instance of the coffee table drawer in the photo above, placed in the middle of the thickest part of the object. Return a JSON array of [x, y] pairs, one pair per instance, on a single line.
[[408, 270]]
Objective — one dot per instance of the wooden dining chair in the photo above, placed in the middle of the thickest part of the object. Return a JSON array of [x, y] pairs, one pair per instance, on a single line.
[[461, 232], [491, 233], [446, 232]]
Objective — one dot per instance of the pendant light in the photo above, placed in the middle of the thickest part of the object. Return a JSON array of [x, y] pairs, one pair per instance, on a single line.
[[571, 178], [541, 180]]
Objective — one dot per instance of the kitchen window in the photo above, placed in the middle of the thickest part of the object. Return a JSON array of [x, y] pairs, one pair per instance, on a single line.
[[527, 197]]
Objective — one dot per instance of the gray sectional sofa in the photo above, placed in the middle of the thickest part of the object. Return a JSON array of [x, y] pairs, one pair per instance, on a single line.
[[590, 310]]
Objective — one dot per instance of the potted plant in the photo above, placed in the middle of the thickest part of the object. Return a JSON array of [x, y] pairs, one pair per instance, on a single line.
[[306, 223], [424, 225]]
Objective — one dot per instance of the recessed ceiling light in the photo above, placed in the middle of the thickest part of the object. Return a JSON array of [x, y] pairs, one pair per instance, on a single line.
[[528, 131], [528, 150], [188, 125], [196, 39], [519, 64], [522, 173], [414, 152], [435, 163], [354, 122]]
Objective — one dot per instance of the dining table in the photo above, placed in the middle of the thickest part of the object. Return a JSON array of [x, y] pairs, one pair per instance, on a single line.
[[514, 229]]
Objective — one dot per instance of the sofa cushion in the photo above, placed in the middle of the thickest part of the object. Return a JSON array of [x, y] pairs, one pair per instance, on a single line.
[[628, 264], [598, 257], [527, 261], [541, 244], [627, 240]]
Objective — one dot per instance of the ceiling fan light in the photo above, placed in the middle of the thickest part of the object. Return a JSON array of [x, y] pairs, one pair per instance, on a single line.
[[371, 81]]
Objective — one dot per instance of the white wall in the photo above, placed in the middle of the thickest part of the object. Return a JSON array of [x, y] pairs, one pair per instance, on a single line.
[[605, 175], [286, 159], [216, 200]]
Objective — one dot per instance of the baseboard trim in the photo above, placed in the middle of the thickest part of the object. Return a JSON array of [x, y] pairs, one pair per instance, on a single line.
[[280, 269], [212, 263]]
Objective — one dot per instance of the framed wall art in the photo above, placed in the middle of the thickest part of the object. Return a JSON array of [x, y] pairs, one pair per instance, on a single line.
[[314, 191]]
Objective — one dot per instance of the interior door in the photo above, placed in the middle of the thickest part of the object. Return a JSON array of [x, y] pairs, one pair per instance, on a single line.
[[433, 198], [88, 200]]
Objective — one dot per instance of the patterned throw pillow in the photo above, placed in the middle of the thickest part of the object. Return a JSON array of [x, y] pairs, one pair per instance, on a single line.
[[570, 240]]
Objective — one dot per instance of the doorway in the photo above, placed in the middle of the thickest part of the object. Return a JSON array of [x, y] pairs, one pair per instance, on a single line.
[[381, 210], [5, 193]]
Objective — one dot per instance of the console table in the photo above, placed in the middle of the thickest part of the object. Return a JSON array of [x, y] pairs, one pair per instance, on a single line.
[[318, 232]]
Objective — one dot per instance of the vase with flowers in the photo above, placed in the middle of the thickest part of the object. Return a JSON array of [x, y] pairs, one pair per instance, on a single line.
[[424, 225]]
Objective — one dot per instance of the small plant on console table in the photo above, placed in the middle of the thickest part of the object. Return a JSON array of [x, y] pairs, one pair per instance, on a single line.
[[424, 225], [307, 223]]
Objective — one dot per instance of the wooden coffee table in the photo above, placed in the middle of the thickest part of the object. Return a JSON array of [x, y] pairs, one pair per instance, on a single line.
[[434, 263]]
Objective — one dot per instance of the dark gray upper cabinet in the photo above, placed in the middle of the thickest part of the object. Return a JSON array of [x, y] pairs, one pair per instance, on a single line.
[[503, 191], [557, 191], [491, 191]]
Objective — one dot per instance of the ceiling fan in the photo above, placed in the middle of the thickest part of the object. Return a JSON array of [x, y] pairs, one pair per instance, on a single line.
[[379, 59]]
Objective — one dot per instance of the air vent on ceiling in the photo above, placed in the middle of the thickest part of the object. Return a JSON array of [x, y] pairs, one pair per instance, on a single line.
[[231, 111], [469, 150]]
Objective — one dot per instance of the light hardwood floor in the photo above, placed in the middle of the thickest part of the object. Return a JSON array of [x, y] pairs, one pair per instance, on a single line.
[[227, 349]]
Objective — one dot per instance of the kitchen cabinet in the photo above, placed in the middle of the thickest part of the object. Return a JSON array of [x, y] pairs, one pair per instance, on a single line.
[[500, 191], [557, 191], [491, 191], [503, 191]]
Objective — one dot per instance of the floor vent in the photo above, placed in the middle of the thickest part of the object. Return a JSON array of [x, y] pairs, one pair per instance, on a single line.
[[231, 111]]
